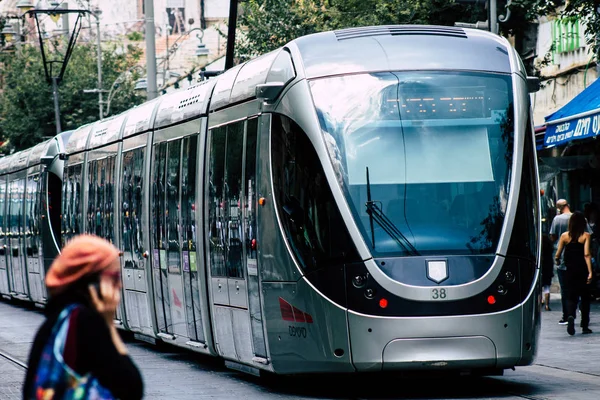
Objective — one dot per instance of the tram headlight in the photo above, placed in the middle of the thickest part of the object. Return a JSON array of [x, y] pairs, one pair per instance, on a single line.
[[510, 277], [359, 281], [502, 289], [369, 293]]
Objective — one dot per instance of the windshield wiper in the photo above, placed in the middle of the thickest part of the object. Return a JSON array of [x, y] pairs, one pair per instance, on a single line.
[[376, 214]]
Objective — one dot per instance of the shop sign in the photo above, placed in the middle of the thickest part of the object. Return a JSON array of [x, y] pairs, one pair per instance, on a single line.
[[579, 128]]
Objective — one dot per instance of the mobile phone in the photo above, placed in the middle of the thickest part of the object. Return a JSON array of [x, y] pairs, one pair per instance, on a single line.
[[96, 286]]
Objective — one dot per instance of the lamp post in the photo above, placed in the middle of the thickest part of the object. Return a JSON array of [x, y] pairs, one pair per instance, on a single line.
[[201, 52], [114, 87], [9, 33], [150, 49], [54, 75]]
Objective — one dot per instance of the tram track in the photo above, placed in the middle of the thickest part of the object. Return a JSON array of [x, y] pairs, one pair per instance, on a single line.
[[13, 360]]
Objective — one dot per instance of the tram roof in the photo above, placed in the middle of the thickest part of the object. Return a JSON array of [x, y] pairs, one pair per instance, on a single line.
[[402, 47], [38, 151], [106, 131]]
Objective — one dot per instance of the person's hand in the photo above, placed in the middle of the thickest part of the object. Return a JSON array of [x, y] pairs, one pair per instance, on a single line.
[[107, 305], [589, 278]]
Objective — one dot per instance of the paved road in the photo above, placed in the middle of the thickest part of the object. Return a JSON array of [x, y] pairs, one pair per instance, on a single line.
[[567, 368]]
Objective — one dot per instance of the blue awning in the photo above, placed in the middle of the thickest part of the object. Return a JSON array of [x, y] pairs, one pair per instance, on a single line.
[[578, 119]]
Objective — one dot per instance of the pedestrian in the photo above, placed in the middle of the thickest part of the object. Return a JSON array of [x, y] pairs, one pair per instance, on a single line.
[[547, 270], [560, 224], [78, 341], [578, 275]]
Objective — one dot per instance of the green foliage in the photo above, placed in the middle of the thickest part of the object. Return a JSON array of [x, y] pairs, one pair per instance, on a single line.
[[588, 12], [135, 36], [26, 102], [269, 24]]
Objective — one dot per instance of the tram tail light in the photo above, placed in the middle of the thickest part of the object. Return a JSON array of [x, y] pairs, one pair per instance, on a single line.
[[383, 303], [491, 300], [253, 244]]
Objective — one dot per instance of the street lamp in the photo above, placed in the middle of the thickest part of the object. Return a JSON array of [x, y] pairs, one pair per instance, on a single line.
[[8, 32], [201, 52], [55, 75], [25, 5]]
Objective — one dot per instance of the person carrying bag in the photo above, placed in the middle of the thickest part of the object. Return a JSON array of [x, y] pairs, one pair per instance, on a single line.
[[77, 353]]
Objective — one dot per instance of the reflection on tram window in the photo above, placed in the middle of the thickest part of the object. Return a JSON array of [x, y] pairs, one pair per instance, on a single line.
[[188, 191], [427, 153], [92, 201], [172, 182], [131, 198], [215, 201], [158, 200], [311, 219], [126, 199], [225, 199], [232, 197], [136, 205], [250, 193], [2, 208]]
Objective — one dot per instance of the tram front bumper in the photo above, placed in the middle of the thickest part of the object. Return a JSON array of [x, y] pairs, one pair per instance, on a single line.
[[450, 352], [452, 342]]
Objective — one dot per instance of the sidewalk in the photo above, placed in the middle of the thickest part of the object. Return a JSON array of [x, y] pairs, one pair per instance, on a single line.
[[558, 349]]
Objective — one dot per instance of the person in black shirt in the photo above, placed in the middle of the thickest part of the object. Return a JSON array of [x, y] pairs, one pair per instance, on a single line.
[[87, 273]]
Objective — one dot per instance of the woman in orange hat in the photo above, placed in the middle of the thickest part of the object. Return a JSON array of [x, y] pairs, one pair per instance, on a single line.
[[78, 342]]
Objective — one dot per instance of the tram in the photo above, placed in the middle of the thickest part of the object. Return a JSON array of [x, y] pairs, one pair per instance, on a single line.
[[358, 200]]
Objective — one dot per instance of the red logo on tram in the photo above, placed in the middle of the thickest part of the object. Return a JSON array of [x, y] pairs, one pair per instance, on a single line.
[[292, 314]]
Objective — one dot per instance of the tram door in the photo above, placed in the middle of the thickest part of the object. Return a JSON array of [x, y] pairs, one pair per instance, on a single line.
[[33, 238], [174, 239], [4, 289], [100, 210], [133, 235], [231, 203], [18, 283]]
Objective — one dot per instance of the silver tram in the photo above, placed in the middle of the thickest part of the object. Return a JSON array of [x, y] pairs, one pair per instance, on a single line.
[[357, 200]]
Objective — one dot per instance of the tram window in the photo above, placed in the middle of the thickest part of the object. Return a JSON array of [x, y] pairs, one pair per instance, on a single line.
[[137, 200], [109, 196], [232, 199], [30, 206], [437, 147], [12, 208], [215, 202], [310, 217], [92, 201], [188, 192], [15, 208], [174, 150], [158, 200], [525, 232], [99, 215], [250, 199], [2, 204], [126, 199], [64, 208], [76, 209]]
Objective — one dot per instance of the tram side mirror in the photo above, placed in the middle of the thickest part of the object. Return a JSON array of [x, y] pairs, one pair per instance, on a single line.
[[269, 91], [533, 84], [63, 156], [46, 160]]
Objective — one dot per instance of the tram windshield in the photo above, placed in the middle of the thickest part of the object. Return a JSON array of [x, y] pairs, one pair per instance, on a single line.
[[423, 158]]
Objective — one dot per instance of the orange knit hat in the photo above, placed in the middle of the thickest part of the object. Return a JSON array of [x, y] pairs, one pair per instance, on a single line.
[[83, 255]]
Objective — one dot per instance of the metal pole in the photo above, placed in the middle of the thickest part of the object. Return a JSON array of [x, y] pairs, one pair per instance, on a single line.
[[494, 16], [99, 66], [231, 33], [150, 50], [56, 109]]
